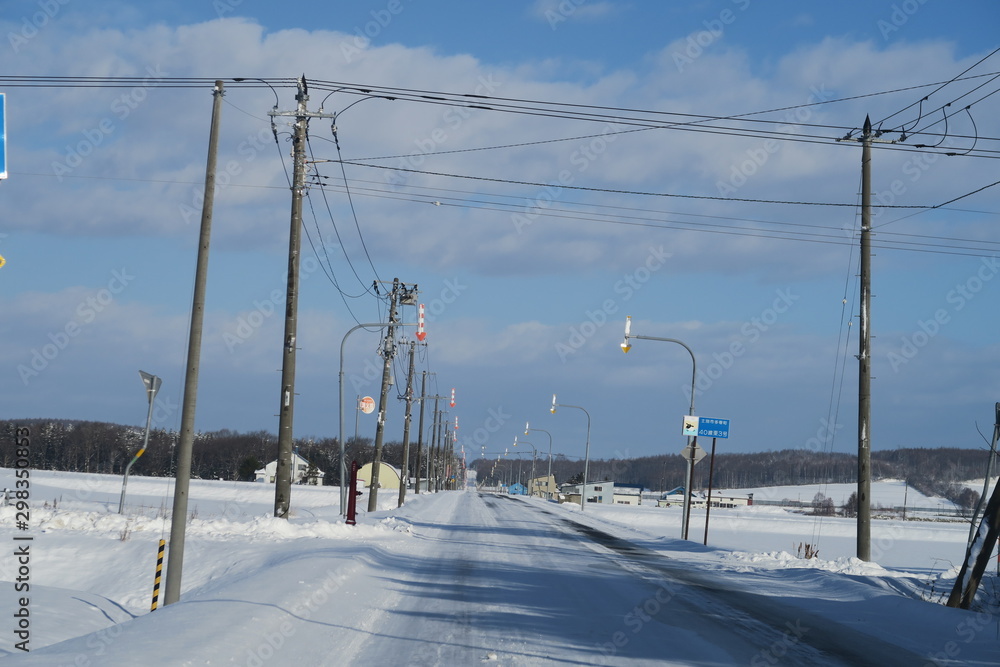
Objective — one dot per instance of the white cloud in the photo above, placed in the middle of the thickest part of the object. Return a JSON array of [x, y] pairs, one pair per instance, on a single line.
[[555, 12]]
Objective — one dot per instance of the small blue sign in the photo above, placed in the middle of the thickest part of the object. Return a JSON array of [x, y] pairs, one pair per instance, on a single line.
[[709, 427]]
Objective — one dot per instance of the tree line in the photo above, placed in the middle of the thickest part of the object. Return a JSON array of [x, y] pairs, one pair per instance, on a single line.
[[101, 447]]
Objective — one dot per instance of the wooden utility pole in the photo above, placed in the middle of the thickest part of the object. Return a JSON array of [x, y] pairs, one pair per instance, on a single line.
[[864, 352], [175, 557], [286, 409]]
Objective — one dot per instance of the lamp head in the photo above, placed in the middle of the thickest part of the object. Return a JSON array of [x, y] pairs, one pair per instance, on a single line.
[[553, 408]]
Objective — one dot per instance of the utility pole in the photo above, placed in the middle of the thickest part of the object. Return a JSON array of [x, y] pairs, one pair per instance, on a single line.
[[430, 445], [178, 525], [400, 295], [431, 451], [439, 465], [864, 537], [283, 474], [405, 468], [864, 352], [420, 433]]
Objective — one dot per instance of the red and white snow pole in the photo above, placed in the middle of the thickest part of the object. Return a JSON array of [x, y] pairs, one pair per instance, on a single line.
[[421, 333]]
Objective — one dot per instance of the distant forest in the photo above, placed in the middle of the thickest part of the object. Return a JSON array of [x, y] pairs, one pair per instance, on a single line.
[[933, 472], [99, 447]]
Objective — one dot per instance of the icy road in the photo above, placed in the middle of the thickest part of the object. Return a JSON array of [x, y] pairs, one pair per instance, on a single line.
[[460, 578]]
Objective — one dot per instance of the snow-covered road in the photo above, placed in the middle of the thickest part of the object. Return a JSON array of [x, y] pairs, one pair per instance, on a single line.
[[462, 578]]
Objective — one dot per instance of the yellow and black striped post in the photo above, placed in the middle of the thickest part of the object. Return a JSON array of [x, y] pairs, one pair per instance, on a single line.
[[159, 571]]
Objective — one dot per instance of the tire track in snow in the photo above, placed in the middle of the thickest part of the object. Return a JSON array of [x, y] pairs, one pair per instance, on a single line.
[[798, 635]]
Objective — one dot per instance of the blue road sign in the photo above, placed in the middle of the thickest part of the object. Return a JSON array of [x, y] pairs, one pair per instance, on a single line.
[[710, 427]]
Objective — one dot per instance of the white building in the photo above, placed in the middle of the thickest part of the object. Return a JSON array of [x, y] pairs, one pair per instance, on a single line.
[[544, 487], [628, 495], [596, 492], [300, 472]]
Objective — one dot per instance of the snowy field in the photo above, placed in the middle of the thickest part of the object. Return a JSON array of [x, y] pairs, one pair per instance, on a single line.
[[248, 574]]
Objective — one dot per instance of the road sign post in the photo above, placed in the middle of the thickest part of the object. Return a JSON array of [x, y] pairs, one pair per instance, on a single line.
[[695, 427]]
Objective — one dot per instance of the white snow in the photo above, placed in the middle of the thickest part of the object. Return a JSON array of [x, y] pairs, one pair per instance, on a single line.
[[456, 578]]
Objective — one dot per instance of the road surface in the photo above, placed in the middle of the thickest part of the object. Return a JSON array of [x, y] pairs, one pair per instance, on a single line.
[[461, 578]]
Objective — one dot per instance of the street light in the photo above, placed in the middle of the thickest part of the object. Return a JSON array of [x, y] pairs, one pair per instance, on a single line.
[[692, 441], [343, 465], [534, 453], [586, 461], [526, 429], [152, 384]]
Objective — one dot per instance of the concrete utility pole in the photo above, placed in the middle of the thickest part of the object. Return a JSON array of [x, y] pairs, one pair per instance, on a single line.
[[435, 416], [433, 447], [405, 468], [868, 137], [864, 352], [420, 431], [438, 464], [400, 295], [283, 475], [178, 519], [436, 453]]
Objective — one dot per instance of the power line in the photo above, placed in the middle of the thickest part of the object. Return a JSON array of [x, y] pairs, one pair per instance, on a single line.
[[514, 105], [363, 283], [621, 192], [940, 87], [567, 111], [732, 230]]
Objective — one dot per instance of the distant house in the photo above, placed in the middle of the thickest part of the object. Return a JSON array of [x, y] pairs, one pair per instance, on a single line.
[[300, 472], [700, 500], [596, 492], [628, 495], [388, 477], [730, 501], [517, 490], [544, 487]]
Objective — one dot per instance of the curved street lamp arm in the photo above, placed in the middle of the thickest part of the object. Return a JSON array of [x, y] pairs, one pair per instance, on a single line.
[[694, 364]]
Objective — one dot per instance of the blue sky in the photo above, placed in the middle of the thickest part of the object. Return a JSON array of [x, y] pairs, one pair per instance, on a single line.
[[104, 242]]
